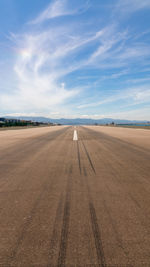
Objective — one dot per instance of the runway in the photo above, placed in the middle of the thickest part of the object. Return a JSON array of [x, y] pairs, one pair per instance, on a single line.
[[74, 197]]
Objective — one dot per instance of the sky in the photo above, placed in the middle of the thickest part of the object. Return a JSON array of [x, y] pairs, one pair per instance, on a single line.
[[75, 58]]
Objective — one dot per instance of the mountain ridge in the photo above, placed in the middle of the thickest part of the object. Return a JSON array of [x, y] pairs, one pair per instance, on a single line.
[[76, 121]]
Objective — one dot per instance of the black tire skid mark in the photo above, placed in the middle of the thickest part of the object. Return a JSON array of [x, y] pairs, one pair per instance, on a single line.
[[65, 227], [111, 140], [97, 236], [84, 170], [66, 218], [92, 132], [83, 182], [96, 229], [113, 170], [117, 178], [94, 223], [19, 184], [79, 159], [29, 220], [89, 158], [90, 223], [55, 234]]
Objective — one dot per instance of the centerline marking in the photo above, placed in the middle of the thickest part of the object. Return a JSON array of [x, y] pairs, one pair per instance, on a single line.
[[75, 136]]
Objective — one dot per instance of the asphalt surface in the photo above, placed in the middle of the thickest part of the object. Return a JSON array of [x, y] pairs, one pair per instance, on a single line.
[[73, 203]]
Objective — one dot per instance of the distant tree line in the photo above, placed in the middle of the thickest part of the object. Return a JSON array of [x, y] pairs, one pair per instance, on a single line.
[[4, 122]]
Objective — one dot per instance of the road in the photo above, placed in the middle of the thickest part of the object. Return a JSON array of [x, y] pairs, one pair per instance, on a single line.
[[65, 202]]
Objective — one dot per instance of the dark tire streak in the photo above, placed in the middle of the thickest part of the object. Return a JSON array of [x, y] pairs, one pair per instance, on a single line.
[[88, 156], [112, 142], [96, 228], [64, 235], [31, 215], [65, 226], [125, 144], [55, 233], [94, 224], [85, 172], [97, 236], [79, 160]]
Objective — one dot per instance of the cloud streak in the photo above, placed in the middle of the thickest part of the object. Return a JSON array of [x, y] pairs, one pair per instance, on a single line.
[[55, 9], [130, 6], [59, 8], [136, 95]]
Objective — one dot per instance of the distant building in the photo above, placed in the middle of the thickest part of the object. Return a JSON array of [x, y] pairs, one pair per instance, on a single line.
[[2, 119]]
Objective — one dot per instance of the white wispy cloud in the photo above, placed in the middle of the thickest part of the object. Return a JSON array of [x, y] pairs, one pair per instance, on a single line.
[[136, 95], [138, 80], [55, 9], [38, 86], [58, 8], [43, 59], [126, 7]]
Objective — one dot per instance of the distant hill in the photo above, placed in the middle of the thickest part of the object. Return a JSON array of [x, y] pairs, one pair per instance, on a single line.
[[77, 121]]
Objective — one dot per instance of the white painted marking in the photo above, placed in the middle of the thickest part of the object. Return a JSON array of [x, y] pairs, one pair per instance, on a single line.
[[75, 136]]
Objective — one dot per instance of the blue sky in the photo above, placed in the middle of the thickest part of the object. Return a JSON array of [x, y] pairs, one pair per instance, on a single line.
[[75, 58]]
